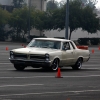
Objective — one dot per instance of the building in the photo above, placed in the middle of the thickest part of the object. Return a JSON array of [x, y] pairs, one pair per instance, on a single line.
[[41, 5], [6, 4], [38, 4]]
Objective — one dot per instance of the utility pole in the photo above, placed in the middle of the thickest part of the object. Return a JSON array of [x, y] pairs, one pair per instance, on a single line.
[[67, 20], [29, 21]]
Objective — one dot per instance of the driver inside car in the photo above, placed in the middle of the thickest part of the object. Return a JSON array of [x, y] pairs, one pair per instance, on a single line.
[[66, 46]]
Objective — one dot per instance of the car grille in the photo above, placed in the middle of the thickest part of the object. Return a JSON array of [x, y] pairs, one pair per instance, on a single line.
[[29, 56], [35, 57], [20, 56]]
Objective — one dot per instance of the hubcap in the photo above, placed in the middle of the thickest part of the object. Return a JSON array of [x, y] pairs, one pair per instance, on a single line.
[[55, 65], [79, 65]]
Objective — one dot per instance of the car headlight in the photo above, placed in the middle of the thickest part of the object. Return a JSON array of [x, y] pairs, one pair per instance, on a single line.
[[47, 57], [11, 54]]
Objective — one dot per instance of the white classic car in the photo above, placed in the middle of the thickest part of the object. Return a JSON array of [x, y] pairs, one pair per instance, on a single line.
[[49, 53]]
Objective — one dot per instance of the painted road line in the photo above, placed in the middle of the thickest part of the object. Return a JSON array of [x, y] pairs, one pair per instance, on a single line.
[[48, 77], [56, 92], [24, 85], [91, 65], [5, 63]]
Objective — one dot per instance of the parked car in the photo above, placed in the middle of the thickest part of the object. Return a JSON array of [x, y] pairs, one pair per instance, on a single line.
[[49, 53]]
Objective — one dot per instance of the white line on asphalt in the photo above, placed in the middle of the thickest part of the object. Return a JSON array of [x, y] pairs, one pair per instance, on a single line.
[[4, 63], [48, 77], [91, 65], [41, 93], [20, 85]]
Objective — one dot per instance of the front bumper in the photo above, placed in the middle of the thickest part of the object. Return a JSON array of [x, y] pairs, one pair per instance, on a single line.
[[33, 63]]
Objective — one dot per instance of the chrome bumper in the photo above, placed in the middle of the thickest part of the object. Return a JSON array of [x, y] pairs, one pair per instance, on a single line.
[[30, 62]]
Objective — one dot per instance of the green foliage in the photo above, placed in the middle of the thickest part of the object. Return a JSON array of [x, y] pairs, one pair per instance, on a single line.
[[79, 17], [61, 4], [43, 20], [51, 5], [90, 22], [58, 17], [20, 21], [90, 3], [4, 17], [75, 16]]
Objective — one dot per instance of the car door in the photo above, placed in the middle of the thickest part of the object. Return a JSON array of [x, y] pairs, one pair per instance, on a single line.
[[68, 54]]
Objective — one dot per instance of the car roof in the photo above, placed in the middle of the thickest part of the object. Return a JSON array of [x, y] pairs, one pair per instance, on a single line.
[[53, 39]]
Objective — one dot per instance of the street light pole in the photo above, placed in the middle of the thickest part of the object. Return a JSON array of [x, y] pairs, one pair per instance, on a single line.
[[29, 21], [67, 20]]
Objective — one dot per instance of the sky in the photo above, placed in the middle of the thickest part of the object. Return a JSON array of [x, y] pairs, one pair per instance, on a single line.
[[98, 4]]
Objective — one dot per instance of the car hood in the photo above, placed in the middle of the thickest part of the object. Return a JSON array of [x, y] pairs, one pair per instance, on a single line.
[[34, 50]]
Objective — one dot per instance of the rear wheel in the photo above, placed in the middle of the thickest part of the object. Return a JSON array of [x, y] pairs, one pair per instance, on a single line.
[[19, 67], [55, 65], [78, 64]]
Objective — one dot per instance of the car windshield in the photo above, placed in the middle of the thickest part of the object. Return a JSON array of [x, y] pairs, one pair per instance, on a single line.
[[45, 44]]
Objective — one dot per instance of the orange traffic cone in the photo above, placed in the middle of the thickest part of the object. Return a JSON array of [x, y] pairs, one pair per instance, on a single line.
[[99, 48], [93, 51], [24, 46], [6, 48], [58, 74], [68, 98]]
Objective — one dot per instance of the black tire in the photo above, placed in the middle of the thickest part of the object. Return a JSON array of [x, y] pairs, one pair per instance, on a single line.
[[19, 67], [55, 65], [78, 64]]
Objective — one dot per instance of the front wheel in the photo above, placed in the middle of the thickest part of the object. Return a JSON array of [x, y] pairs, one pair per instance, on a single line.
[[55, 65], [19, 67], [78, 64]]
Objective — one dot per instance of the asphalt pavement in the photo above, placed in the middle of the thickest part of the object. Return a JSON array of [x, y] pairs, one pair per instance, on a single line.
[[38, 84]]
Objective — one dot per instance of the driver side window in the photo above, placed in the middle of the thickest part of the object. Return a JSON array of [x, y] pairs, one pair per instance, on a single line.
[[66, 46]]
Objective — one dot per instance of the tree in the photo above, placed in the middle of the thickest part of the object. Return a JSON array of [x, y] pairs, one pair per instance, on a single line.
[[79, 17], [82, 17], [90, 22], [18, 3], [61, 3], [90, 3], [75, 16], [43, 20], [4, 17], [19, 22], [58, 17], [51, 5]]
